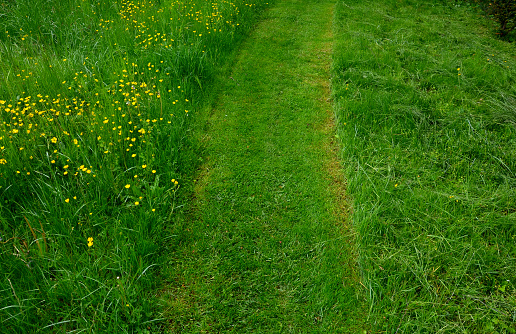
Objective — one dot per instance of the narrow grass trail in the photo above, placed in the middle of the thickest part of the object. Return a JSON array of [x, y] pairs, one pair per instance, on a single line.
[[266, 247]]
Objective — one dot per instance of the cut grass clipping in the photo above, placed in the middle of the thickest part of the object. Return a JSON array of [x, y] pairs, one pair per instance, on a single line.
[[426, 104], [95, 102]]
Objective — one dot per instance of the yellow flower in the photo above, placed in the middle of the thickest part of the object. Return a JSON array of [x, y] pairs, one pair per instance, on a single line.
[[67, 200], [128, 186], [136, 203], [90, 241], [53, 140]]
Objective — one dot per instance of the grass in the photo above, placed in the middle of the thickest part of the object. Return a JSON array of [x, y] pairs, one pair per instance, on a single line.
[[425, 98], [265, 248], [96, 102], [146, 188]]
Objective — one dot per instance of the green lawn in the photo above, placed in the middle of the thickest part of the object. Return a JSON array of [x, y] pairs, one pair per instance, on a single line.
[[265, 247]]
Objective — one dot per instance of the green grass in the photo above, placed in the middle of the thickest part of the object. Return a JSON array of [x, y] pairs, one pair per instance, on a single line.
[[145, 187], [96, 102], [425, 98], [265, 248]]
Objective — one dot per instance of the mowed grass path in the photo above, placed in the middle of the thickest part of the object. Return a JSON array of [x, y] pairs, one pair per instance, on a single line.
[[266, 247]]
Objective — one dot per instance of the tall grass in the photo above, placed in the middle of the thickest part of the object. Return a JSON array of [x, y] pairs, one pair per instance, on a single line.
[[96, 98], [425, 101]]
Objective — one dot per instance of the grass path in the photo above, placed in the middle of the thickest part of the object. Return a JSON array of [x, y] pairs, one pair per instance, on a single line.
[[265, 247]]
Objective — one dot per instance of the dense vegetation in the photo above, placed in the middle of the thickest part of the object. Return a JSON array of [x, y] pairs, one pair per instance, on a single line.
[[503, 12], [95, 102], [426, 100]]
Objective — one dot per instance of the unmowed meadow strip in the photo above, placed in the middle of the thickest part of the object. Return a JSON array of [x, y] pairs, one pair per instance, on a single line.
[[96, 101], [426, 102]]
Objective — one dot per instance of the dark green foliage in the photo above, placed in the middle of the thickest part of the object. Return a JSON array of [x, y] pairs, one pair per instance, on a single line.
[[503, 12]]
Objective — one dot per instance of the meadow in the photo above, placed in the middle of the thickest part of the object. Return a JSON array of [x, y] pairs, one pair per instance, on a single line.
[[103, 108], [425, 95], [97, 99]]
